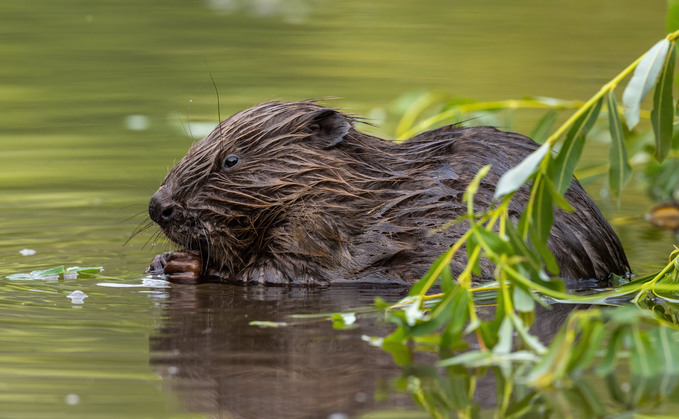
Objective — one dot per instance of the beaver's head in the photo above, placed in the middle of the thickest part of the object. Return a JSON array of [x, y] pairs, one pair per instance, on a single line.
[[247, 176]]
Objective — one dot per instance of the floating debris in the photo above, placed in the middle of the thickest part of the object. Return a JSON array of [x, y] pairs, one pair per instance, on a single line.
[[27, 252], [665, 216], [145, 282], [77, 297], [56, 272]]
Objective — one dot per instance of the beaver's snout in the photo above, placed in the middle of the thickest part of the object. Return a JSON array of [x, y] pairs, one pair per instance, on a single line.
[[162, 209]]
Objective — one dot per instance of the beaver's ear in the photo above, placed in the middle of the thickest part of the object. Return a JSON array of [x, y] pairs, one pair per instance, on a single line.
[[329, 126]]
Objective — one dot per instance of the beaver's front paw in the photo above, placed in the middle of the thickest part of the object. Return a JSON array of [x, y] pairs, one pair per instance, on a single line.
[[184, 267]]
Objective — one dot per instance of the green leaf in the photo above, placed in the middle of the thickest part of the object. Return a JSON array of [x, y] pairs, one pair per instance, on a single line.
[[620, 169], [541, 130], [537, 223], [590, 342], [490, 242], [644, 361], [506, 337], [515, 177], [469, 358], [57, 270], [665, 340], [553, 364], [608, 364], [543, 215], [19, 277], [473, 186], [428, 280], [558, 198], [459, 309], [342, 321], [521, 248], [672, 15], [545, 253], [569, 154], [85, 270], [662, 114], [644, 77], [523, 299], [453, 307]]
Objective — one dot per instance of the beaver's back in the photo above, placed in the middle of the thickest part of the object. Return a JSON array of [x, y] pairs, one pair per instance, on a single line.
[[584, 244]]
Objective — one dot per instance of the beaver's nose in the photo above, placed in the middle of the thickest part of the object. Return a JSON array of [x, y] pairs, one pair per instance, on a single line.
[[162, 208]]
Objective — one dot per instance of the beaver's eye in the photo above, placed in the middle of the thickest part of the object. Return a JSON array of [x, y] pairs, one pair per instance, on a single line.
[[231, 161]]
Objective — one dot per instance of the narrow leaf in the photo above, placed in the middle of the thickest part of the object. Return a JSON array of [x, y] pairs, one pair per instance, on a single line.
[[521, 248], [543, 250], [541, 130], [523, 300], [491, 242], [620, 169], [515, 177], [569, 154], [672, 15], [543, 215], [473, 186], [662, 114], [643, 79]]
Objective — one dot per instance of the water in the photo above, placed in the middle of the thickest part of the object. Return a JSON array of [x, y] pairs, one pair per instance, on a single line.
[[94, 102]]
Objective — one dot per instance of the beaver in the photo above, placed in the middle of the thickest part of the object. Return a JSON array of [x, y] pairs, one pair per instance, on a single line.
[[292, 193]]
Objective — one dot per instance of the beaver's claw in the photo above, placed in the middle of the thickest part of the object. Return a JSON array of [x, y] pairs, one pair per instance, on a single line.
[[184, 266]]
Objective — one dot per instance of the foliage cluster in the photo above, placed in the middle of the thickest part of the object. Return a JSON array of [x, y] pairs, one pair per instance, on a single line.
[[639, 339]]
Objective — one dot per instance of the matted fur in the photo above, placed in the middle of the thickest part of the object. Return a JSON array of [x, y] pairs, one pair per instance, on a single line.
[[314, 201]]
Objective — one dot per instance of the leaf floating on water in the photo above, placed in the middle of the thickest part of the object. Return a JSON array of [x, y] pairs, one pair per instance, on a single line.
[[85, 270], [645, 76], [54, 273], [44, 274]]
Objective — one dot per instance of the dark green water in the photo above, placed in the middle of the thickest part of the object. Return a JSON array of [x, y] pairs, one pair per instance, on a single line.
[[94, 102]]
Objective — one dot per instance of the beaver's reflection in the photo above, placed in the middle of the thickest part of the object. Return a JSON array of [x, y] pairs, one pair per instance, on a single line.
[[221, 366]]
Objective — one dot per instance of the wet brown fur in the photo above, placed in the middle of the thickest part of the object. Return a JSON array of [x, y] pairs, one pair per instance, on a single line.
[[314, 201]]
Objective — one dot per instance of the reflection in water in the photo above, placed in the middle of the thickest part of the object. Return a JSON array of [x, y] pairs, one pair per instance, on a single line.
[[207, 352]]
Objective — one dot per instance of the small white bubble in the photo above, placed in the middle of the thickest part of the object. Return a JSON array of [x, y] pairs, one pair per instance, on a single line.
[[27, 252], [172, 370], [625, 387], [72, 399]]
